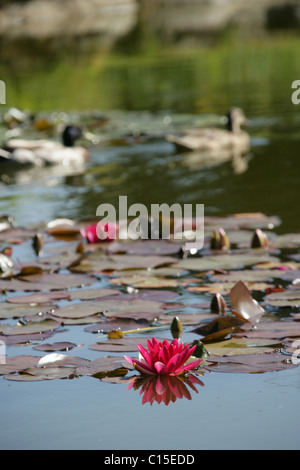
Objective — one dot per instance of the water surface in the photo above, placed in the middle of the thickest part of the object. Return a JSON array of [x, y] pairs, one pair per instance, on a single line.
[[154, 93]]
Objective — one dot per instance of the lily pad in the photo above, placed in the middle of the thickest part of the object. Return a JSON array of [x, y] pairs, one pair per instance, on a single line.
[[8, 310], [237, 346], [62, 346], [91, 294], [286, 298], [144, 248], [223, 261], [225, 287], [122, 344], [47, 373], [103, 366], [17, 363], [79, 310], [97, 264], [32, 327], [248, 275], [121, 324], [143, 282], [39, 298], [264, 362], [46, 282]]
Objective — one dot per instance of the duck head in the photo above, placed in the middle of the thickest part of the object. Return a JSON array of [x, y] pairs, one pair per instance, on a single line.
[[236, 119], [70, 134]]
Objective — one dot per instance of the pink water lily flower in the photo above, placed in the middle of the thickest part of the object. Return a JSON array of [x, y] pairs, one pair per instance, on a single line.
[[100, 232], [164, 358]]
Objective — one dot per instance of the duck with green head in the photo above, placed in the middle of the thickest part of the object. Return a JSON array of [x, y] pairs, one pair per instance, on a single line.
[[43, 152]]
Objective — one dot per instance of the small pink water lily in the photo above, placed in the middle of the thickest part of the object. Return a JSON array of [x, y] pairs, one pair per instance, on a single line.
[[100, 232], [164, 358]]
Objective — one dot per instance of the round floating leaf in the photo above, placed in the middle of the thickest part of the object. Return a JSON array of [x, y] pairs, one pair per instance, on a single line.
[[102, 366], [287, 298], [79, 310], [249, 275], [90, 294], [144, 248], [62, 346], [49, 373], [143, 282], [95, 263], [8, 310], [122, 324], [121, 345], [17, 363], [46, 282], [39, 298], [223, 261], [237, 346], [32, 327]]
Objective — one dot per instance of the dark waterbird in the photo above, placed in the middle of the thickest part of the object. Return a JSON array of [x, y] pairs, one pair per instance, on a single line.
[[42, 152]]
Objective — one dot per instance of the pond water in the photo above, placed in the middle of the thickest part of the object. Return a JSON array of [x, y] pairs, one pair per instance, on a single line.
[[153, 93]]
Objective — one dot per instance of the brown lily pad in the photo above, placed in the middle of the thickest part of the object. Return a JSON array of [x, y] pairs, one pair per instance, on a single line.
[[121, 324], [61, 346], [39, 298], [144, 248], [286, 298], [32, 327], [8, 310], [121, 345], [223, 261], [96, 263], [17, 363], [46, 282]]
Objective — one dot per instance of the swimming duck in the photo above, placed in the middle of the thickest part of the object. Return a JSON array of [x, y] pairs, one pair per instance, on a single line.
[[215, 139], [43, 152]]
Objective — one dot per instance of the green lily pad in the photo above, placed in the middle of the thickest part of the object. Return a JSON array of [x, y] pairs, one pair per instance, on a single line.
[[237, 346]]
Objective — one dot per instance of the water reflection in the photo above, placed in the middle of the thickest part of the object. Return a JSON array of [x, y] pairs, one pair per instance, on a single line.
[[165, 388], [201, 160]]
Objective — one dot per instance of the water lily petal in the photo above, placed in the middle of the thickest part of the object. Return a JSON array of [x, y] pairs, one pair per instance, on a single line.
[[191, 365], [174, 363], [146, 355], [143, 369], [140, 365], [160, 368]]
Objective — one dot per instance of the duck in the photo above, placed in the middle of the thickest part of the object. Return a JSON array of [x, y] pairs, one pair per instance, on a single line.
[[215, 139], [43, 152]]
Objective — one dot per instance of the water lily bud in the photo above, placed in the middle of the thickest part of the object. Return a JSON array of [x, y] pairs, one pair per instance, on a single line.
[[176, 327], [200, 350], [218, 304], [259, 240], [219, 240], [38, 243]]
